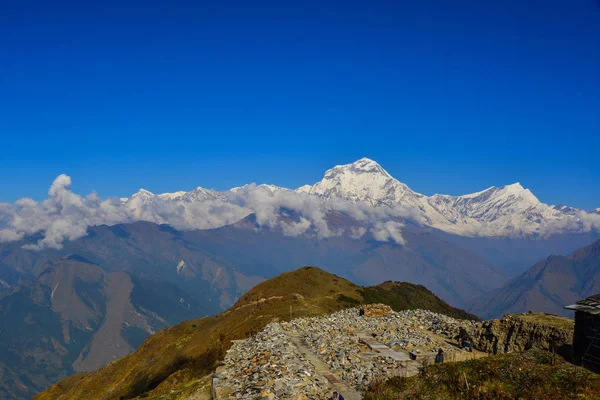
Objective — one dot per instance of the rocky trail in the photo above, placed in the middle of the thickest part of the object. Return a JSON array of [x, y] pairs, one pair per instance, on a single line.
[[347, 392]]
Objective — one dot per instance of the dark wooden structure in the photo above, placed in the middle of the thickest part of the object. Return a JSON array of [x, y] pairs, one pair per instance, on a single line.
[[586, 338]]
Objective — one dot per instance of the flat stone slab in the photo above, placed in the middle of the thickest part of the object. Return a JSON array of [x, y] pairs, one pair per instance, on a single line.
[[382, 349], [373, 344], [394, 355]]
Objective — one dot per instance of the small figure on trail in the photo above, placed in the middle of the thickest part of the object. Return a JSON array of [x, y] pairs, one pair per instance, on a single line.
[[467, 343], [336, 396], [464, 339], [440, 357]]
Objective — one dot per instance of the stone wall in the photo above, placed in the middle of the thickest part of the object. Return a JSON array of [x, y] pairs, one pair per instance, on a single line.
[[375, 310]]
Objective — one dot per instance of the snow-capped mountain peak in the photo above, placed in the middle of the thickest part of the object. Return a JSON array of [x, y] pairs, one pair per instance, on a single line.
[[142, 194], [201, 194], [363, 180], [496, 211], [365, 165], [515, 190]]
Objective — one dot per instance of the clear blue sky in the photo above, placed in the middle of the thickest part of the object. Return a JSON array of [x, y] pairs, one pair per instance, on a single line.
[[449, 96]]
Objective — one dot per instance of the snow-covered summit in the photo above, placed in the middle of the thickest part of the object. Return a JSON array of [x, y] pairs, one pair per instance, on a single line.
[[200, 194], [497, 211], [363, 180], [142, 194], [509, 210]]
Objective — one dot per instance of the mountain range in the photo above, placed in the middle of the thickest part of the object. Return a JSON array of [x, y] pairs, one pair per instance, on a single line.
[[547, 286], [506, 211], [506, 225], [84, 281]]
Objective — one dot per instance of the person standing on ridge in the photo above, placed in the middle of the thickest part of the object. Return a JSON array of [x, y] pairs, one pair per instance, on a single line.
[[439, 359]]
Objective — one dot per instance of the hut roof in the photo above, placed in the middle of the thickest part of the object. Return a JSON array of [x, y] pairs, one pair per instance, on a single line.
[[590, 305]]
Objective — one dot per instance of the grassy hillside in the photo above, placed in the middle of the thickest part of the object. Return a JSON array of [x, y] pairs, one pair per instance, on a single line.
[[533, 374], [173, 361], [404, 296]]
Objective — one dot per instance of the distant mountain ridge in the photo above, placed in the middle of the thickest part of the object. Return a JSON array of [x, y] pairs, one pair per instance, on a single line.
[[76, 317], [547, 286], [506, 211]]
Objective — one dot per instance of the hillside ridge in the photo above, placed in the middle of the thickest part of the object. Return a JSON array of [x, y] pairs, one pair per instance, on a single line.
[[190, 350]]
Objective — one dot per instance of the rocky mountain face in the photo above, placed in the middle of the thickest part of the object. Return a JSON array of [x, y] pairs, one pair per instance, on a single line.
[[547, 286], [520, 332], [154, 252], [77, 316]]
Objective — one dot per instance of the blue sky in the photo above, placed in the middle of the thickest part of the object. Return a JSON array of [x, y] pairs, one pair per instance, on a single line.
[[448, 96]]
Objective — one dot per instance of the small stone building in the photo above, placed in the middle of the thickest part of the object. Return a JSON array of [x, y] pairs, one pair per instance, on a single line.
[[586, 338], [375, 310]]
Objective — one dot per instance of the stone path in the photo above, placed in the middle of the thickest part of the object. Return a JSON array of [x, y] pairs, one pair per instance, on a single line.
[[321, 367]]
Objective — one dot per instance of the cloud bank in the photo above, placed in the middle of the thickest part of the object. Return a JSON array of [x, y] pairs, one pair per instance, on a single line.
[[65, 215]]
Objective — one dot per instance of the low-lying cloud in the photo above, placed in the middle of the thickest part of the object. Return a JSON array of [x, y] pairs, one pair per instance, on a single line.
[[65, 215]]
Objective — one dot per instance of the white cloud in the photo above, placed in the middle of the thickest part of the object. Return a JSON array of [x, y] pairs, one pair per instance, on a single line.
[[388, 231], [296, 228], [65, 215], [357, 232]]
